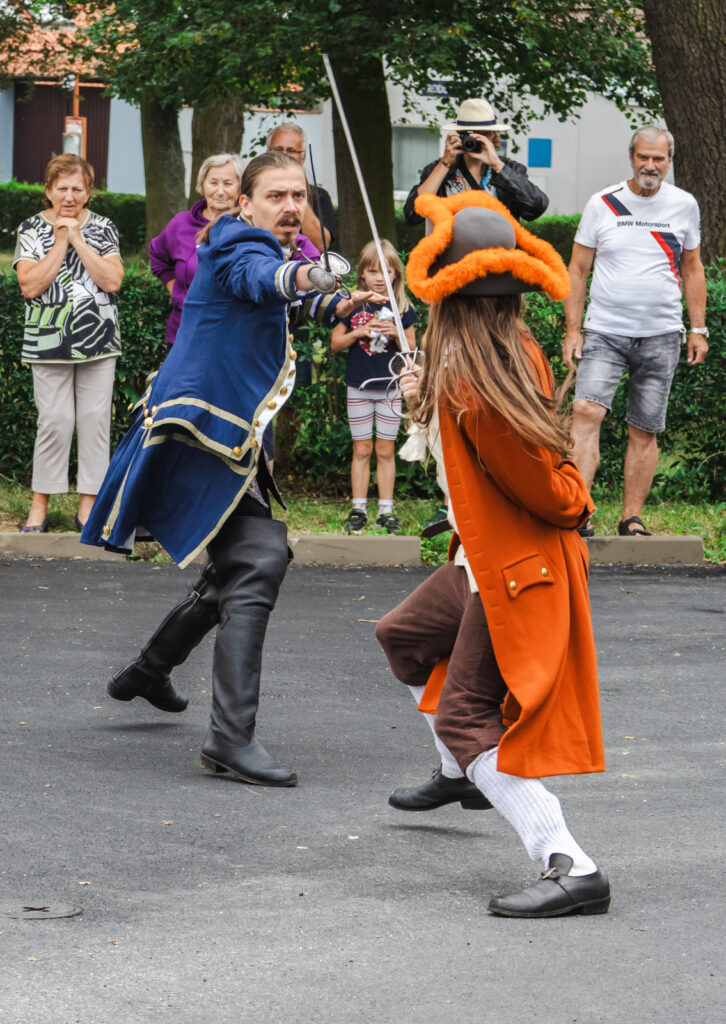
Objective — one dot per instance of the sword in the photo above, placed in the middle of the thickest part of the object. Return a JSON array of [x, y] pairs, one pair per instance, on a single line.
[[402, 339], [318, 210]]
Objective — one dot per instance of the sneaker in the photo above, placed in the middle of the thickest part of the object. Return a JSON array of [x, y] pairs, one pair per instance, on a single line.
[[356, 521], [389, 522]]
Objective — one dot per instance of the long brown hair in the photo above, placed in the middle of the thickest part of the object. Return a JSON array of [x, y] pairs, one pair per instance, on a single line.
[[475, 353]]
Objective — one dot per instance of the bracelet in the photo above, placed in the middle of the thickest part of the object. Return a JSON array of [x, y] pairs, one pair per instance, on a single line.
[[447, 166]]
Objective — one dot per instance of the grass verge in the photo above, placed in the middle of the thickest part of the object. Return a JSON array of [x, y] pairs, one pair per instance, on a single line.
[[326, 515]]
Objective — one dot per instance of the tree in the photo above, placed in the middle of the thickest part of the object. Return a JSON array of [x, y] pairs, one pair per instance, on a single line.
[[548, 51], [215, 129], [213, 55], [689, 42]]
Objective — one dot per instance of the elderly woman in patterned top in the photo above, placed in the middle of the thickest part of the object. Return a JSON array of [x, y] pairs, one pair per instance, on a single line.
[[69, 268]]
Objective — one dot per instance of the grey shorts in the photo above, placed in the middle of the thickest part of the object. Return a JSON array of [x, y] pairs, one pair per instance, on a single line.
[[651, 363]]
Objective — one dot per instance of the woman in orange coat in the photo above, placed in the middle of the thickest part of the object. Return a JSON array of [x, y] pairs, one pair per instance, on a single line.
[[498, 643]]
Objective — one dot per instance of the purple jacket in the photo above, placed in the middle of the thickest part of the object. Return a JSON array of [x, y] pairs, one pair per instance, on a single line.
[[173, 257]]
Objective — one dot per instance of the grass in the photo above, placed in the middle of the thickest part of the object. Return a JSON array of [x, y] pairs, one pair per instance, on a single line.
[[327, 515]]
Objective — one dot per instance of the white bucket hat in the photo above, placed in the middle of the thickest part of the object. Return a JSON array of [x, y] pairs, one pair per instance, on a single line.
[[475, 116]]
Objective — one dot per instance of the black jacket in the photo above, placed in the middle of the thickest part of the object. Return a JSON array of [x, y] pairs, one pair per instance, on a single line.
[[512, 186]]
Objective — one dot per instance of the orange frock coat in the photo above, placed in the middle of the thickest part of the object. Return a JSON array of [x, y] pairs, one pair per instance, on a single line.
[[517, 507]]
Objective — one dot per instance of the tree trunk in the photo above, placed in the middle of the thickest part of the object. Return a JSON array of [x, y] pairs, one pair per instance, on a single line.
[[689, 41], [163, 164], [215, 129], [362, 87]]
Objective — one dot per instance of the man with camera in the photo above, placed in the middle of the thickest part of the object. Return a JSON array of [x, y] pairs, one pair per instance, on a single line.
[[471, 161]]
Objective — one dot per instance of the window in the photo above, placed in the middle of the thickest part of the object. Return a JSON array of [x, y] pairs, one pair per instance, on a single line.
[[539, 153], [413, 148]]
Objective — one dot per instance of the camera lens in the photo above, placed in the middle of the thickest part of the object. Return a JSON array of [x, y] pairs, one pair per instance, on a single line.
[[469, 144]]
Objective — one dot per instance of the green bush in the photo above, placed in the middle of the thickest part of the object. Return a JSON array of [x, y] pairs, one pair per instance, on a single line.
[[20, 201], [558, 230], [143, 308]]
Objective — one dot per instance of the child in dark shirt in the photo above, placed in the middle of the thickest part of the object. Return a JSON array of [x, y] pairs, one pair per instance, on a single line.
[[369, 334]]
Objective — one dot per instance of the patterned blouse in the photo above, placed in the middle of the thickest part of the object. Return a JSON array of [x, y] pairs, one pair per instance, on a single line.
[[73, 319]]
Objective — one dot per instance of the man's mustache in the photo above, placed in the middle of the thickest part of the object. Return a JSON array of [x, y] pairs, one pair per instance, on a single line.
[[290, 222]]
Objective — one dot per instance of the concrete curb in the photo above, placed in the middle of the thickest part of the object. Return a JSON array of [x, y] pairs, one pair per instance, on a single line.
[[334, 549], [308, 548], [679, 549]]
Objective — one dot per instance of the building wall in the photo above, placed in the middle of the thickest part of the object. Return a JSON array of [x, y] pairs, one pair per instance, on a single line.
[[7, 118], [125, 153], [318, 128]]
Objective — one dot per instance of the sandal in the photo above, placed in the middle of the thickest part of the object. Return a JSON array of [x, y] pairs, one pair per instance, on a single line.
[[625, 531], [42, 528]]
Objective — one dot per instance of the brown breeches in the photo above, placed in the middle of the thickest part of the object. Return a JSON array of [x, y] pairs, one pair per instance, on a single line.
[[442, 618]]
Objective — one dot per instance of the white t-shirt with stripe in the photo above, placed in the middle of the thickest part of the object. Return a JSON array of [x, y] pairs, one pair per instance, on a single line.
[[636, 284]]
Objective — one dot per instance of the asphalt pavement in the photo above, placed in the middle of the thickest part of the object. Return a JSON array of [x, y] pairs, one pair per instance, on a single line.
[[207, 901]]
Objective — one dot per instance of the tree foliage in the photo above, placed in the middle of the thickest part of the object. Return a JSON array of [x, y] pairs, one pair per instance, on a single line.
[[525, 56]]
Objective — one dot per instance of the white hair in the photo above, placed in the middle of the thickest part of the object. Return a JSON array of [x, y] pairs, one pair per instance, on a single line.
[[286, 126], [651, 133], [219, 160]]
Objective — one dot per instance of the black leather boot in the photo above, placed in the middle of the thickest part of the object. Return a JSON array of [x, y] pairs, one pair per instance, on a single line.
[[250, 556], [184, 627]]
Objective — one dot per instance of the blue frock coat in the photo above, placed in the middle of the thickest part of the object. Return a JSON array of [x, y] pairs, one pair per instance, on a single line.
[[195, 444]]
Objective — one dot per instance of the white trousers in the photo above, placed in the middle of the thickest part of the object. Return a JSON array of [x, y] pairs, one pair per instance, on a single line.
[[68, 396]]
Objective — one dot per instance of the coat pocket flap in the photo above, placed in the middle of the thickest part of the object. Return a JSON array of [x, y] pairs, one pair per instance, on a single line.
[[527, 572]]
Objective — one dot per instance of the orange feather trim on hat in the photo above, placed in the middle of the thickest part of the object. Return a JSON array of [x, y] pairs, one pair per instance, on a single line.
[[534, 261]]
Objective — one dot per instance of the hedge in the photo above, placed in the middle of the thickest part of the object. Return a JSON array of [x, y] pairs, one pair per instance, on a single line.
[[20, 201], [313, 440]]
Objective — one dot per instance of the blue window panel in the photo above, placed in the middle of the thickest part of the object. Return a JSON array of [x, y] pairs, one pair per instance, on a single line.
[[539, 153]]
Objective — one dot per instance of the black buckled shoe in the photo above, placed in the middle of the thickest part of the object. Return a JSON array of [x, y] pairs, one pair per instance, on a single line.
[[437, 792], [557, 893], [132, 682]]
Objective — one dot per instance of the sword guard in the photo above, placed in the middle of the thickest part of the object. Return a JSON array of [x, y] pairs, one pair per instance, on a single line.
[[323, 280]]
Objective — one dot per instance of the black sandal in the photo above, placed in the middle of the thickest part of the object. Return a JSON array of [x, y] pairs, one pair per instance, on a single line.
[[625, 531]]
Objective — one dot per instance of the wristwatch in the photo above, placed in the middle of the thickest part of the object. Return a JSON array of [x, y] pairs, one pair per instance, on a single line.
[[699, 330]]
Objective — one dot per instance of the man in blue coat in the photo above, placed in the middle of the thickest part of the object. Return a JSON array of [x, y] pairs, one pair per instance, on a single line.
[[191, 471]]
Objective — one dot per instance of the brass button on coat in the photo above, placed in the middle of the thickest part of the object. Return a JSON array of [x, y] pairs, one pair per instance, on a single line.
[[254, 443], [148, 422], [237, 451], [283, 391], [512, 585], [106, 531], [293, 356], [544, 572], [272, 405]]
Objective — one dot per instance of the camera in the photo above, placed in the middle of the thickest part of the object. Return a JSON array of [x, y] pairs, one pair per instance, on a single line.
[[469, 144]]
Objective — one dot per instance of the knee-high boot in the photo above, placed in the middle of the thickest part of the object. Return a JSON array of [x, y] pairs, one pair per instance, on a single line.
[[250, 554], [184, 627]]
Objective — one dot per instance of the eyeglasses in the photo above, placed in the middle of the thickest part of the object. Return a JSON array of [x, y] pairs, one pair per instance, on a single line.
[[289, 150]]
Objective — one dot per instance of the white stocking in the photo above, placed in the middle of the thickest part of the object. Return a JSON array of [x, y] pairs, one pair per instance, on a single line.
[[449, 765], [531, 809]]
